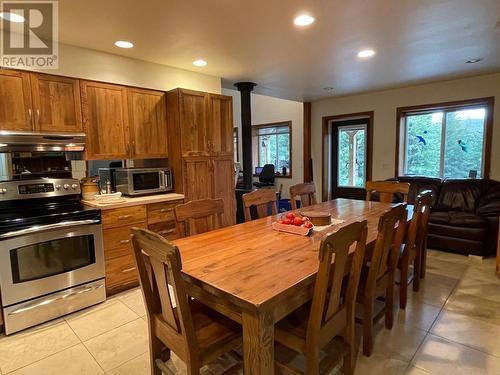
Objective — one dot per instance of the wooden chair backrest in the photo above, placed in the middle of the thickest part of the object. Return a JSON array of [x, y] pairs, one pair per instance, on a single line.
[[159, 265], [261, 199], [333, 304], [387, 246], [424, 204], [387, 189], [421, 209], [199, 216], [306, 192]]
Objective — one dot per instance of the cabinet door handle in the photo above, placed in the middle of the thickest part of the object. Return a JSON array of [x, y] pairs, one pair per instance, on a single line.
[[127, 270], [123, 217], [123, 242], [166, 210], [30, 113], [37, 115]]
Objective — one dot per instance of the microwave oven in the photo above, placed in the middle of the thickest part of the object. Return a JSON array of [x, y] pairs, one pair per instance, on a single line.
[[141, 181]]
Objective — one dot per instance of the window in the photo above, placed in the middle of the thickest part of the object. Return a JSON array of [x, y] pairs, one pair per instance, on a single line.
[[446, 141], [272, 145], [236, 145], [351, 156]]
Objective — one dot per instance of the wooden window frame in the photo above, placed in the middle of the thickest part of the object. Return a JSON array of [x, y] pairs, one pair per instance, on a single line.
[[326, 166], [275, 125], [487, 102]]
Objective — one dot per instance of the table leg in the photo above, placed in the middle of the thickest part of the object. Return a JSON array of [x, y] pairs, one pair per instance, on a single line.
[[258, 343]]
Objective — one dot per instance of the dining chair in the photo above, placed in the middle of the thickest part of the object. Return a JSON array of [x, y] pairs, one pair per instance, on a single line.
[[411, 250], [197, 334], [306, 192], [198, 216], [378, 273], [326, 324], [421, 241], [387, 189], [261, 199]]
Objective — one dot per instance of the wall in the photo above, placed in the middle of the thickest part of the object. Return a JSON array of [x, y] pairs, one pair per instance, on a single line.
[[266, 109], [95, 65], [384, 104]]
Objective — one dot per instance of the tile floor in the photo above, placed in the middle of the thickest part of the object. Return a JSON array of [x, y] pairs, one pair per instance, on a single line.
[[452, 326]]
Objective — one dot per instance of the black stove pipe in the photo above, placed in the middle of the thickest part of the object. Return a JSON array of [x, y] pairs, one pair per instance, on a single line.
[[245, 88]]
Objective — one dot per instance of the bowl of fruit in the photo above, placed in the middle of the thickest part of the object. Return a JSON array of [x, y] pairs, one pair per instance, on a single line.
[[294, 223]]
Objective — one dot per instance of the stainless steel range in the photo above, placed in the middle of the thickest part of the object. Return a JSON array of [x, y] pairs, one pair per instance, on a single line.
[[51, 252]]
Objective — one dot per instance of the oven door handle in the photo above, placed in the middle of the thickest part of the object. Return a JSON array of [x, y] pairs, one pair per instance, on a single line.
[[74, 292], [38, 228]]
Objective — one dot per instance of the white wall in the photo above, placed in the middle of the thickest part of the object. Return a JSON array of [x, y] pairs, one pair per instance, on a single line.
[[266, 109], [384, 104], [101, 66]]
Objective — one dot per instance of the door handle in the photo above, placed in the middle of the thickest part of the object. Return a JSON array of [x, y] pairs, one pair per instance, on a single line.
[[127, 270], [37, 228], [123, 242], [163, 210], [123, 217]]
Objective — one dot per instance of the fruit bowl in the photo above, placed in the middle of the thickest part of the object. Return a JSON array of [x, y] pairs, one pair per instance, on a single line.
[[295, 224]]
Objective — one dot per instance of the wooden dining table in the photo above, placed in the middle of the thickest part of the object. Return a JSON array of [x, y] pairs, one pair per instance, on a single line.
[[256, 275]]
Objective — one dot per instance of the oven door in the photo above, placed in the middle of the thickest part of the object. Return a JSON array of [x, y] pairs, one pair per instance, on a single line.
[[43, 262]]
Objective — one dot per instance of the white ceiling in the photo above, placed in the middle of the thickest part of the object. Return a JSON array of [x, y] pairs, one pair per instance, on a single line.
[[255, 40]]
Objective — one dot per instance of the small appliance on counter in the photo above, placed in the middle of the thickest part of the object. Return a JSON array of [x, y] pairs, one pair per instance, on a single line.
[[51, 252], [143, 181]]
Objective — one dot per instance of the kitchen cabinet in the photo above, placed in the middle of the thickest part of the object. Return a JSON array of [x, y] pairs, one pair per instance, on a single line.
[[105, 120], [56, 104], [148, 123], [220, 124], [121, 270], [15, 101], [208, 177]]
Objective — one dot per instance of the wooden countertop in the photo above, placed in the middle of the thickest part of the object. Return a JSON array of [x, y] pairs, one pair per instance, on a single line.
[[135, 201]]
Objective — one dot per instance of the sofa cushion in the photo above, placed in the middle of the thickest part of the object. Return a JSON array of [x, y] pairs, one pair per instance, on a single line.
[[458, 219], [461, 194], [489, 204], [466, 233]]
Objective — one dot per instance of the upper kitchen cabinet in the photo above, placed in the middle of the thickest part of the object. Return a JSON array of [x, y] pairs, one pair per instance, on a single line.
[[16, 111], [56, 103], [220, 124], [148, 123], [105, 120]]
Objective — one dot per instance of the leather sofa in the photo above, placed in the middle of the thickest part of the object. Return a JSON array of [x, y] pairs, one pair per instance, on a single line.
[[464, 216]]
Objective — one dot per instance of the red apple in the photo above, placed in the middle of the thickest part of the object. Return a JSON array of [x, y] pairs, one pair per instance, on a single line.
[[290, 215], [298, 221]]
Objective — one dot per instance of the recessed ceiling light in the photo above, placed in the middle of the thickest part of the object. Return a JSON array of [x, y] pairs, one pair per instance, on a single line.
[[473, 61], [366, 53], [12, 17], [200, 62], [303, 20], [124, 44]]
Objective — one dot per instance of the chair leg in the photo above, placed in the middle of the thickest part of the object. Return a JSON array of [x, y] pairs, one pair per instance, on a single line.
[[423, 263], [192, 367], [312, 361], [403, 286], [157, 351], [349, 357], [368, 328], [389, 305], [417, 270]]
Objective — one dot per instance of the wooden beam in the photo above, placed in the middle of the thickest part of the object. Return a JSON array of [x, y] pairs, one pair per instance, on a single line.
[[306, 137]]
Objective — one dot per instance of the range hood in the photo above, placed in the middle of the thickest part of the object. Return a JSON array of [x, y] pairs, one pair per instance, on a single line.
[[29, 142]]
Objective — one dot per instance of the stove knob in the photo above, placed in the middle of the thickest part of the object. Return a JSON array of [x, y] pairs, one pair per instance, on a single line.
[[3, 190], [66, 186], [58, 187], [74, 186]]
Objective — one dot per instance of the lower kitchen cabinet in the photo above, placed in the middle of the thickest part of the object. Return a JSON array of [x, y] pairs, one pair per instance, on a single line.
[[121, 270]]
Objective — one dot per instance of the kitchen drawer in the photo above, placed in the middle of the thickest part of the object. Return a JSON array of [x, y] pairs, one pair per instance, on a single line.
[[164, 211], [120, 217], [165, 229], [117, 241], [121, 271]]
